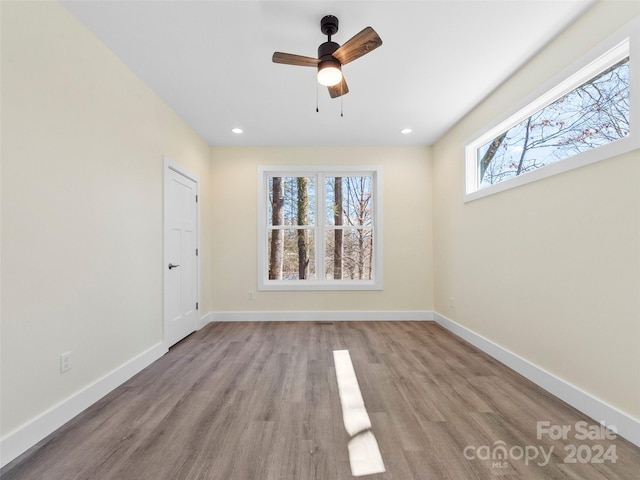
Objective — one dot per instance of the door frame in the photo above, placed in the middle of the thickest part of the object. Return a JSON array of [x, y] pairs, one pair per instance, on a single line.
[[167, 166]]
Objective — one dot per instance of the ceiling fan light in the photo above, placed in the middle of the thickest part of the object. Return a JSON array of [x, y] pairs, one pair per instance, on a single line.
[[329, 74]]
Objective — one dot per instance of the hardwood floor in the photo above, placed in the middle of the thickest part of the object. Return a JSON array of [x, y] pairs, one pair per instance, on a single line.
[[241, 401]]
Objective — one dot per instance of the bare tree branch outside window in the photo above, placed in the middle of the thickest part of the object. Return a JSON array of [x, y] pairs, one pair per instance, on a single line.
[[350, 237], [319, 227], [594, 114]]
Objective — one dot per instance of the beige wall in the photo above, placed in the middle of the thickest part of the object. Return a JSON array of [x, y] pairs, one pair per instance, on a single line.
[[408, 275], [82, 146], [549, 270]]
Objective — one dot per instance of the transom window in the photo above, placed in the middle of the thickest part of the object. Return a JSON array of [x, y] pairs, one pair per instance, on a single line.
[[319, 228], [565, 127]]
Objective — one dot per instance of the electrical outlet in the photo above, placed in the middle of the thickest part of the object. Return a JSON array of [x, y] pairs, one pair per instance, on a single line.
[[452, 302], [65, 362], [252, 296]]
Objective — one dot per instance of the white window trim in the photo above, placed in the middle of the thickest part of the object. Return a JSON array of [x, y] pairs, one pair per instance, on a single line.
[[319, 284], [626, 41]]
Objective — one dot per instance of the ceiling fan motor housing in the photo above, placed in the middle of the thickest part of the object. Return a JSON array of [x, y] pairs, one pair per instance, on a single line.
[[325, 50], [328, 26], [325, 55]]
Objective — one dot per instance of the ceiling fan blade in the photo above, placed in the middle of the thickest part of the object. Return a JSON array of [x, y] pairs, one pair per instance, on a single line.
[[358, 45], [339, 89], [291, 59]]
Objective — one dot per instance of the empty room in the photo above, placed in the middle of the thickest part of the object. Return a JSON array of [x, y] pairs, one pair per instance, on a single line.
[[320, 240]]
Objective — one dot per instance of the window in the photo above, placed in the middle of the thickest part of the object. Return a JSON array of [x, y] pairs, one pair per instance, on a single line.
[[580, 120], [319, 228]]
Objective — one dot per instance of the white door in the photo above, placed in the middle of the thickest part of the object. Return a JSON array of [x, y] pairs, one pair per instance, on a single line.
[[180, 254]]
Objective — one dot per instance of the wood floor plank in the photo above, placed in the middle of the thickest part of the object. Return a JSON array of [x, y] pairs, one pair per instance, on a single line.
[[256, 400]]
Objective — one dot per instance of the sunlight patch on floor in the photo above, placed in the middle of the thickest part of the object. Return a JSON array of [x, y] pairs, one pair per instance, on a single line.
[[364, 455]]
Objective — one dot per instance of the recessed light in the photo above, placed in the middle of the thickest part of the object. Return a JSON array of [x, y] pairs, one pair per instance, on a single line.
[[405, 131], [236, 130]]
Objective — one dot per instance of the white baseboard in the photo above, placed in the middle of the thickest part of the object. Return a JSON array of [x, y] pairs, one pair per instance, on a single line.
[[20, 440], [323, 316], [627, 426], [204, 320]]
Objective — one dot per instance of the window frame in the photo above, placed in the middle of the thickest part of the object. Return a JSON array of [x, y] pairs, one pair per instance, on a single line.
[[624, 42], [320, 173]]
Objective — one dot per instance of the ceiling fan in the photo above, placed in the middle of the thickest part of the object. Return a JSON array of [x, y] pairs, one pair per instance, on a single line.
[[332, 56]]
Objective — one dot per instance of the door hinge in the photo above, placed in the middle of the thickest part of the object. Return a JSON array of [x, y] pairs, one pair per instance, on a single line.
[[196, 198], [196, 252], [196, 305]]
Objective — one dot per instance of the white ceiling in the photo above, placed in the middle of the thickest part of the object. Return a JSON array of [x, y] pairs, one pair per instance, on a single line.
[[211, 62]]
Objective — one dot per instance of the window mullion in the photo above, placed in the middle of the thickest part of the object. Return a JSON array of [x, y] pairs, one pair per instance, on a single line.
[[320, 226]]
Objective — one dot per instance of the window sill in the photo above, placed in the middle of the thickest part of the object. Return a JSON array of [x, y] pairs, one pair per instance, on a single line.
[[614, 149], [310, 285]]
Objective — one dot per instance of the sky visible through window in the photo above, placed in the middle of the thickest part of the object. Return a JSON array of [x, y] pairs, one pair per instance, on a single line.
[[594, 114]]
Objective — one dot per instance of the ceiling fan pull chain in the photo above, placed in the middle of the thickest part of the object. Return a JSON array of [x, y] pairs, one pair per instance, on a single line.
[[341, 101], [317, 109]]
